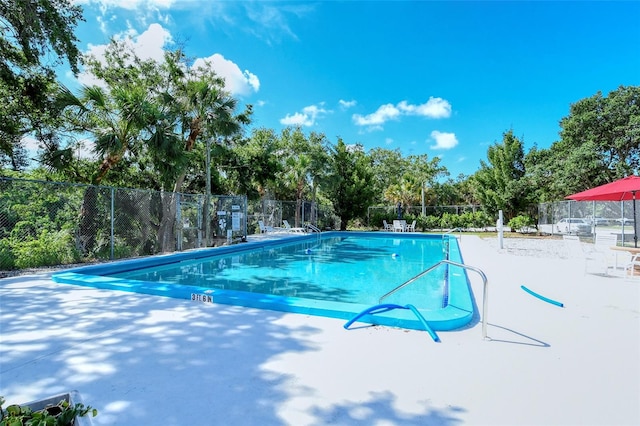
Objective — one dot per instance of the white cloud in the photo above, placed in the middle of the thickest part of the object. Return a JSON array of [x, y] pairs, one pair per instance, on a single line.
[[443, 140], [148, 45], [308, 117], [370, 129], [270, 21], [142, 11], [382, 115], [297, 119], [152, 43], [31, 145], [433, 108], [353, 147], [236, 81], [347, 104]]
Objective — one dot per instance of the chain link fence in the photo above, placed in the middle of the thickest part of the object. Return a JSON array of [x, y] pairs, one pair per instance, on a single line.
[[588, 218], [274, 212], [46, 223]]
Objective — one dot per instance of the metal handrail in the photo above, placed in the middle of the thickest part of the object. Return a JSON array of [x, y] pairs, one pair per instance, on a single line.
[[485, 291], [445, 240], [312, 227], [451, 231]]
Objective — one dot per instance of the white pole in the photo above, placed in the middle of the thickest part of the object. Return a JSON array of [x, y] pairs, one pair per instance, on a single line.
[[500, 229], [593, 216], [207, 198]]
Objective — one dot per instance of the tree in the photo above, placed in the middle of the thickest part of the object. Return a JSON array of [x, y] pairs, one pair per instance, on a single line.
[[501, 183], [115, 119], [33, 33], [348, 183], [460, 190], [388, 168], [423, 173], [318, 169], [399, 179], [406, 192], [195, 106], [152, 115], [304, 162], [250, 166], [600, 141]]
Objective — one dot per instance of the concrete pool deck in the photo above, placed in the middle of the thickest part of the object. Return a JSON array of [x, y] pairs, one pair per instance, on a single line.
[[143, 359]]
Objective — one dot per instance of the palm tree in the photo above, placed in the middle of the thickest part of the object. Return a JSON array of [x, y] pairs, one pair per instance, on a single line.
[[406, 192], [196, 107], [304, 163], [115, 119]]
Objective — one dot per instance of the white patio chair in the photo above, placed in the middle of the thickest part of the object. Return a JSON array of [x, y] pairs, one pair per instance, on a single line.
[[602, 252], [399, 225], [264, 229], [599, 258], [289, 228], [387, 226], [573, 247], [632, 269], [411, 228]]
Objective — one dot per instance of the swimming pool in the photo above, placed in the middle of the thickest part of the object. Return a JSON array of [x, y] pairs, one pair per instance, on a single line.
[[333, 274]]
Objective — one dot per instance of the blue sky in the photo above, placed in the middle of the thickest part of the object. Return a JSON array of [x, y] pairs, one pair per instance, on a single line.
[[444, 79]]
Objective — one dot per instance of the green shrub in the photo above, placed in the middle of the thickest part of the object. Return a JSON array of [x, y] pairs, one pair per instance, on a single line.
[[451, 221], [481, 219], [49, 249], [466, 220], [356, 224], [7, 258], [430, 222], [521, 223]]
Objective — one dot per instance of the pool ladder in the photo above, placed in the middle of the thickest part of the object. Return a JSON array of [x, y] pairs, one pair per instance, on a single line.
[[485, 291], [314, 229], [445, 241]]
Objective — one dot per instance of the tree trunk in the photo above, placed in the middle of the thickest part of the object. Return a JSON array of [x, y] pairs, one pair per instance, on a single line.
[[166, 234], [88, 226]]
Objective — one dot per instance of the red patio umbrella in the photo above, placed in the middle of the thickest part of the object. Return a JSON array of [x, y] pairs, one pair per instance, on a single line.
[[620, 190]]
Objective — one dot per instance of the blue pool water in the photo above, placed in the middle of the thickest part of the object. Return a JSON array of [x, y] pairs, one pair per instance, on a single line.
[[337, 274]]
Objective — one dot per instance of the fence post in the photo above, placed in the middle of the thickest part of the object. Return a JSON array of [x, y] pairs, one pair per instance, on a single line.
[[245, 201], [201, 207], [178, 222], [113, 219]]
